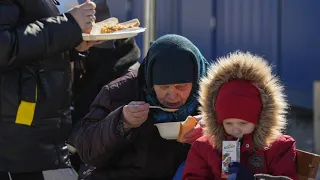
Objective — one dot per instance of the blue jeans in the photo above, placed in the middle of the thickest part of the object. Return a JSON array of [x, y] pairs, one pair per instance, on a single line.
[[178, 175]]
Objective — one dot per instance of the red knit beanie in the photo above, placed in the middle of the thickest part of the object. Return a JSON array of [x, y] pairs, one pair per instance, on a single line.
[[238, 99]]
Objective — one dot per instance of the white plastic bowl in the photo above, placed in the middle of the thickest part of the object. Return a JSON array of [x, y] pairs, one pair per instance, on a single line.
[[169, 130]]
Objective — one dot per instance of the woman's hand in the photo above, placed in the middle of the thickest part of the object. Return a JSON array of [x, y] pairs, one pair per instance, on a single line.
[[135, 113]]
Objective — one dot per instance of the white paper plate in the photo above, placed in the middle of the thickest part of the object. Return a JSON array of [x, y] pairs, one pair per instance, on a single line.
[[127, 33]]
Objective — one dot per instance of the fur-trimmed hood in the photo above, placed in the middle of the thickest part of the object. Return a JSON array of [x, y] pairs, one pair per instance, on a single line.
[[244, 66]]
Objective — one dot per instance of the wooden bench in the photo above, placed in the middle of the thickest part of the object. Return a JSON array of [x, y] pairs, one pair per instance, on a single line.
[[307, 165]]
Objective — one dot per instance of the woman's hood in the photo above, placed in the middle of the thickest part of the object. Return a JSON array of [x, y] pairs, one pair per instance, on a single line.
[[173, 52], [244, 66]]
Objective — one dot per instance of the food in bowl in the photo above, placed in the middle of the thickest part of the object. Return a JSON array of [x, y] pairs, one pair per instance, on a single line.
[[169, 131], [176, 130]]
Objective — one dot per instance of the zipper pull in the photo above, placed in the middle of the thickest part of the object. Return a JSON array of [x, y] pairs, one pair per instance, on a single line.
[[56, 2]]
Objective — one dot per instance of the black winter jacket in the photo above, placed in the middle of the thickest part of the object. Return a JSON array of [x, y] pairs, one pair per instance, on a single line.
[[35, 84]]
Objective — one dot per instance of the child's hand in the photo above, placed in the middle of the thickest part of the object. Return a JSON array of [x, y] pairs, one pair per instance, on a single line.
[[237, 171]]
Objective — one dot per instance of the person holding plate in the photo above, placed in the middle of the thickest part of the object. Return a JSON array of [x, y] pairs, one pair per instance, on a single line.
[[35, 82], [100, 64]]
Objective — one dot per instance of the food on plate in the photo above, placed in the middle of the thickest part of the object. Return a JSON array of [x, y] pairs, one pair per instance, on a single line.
[[112, 25]]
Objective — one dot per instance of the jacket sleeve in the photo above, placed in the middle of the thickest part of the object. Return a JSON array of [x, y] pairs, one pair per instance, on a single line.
[[99, 137], [284, 159], [23, 44], [196, 167]]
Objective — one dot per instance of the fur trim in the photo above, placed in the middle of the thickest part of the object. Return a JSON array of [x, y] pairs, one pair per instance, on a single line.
[[244, 66]]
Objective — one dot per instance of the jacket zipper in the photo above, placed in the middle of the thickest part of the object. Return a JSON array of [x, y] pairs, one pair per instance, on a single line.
[[0, 98], [56, 2]]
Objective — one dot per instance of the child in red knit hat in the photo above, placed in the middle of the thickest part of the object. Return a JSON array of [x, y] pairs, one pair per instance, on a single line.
[[241, 100]]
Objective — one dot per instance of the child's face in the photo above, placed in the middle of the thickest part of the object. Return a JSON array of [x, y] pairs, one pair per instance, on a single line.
[[237, 127]]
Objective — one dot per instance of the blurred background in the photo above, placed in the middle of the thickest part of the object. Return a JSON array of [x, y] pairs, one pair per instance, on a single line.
[[285, 32]]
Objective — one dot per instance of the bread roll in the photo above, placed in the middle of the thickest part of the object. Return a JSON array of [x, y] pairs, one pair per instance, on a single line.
[[187, 126]]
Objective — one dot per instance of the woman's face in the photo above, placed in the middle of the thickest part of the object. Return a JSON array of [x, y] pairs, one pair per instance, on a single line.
[[173, 95]]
